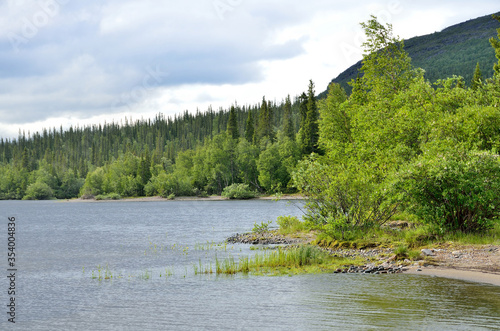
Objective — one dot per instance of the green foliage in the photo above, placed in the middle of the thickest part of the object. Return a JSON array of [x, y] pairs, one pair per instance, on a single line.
[[452, 51], [290, 224], [288, 127], [38, 191], [496, 46], [393, 121], [386, 66], [262, 227], [477, 78], [309, 134], [273, 175], [249, 128], [110, 196], [192, 149], [232, 124], [238, 191], [265, 124], [453, 191]]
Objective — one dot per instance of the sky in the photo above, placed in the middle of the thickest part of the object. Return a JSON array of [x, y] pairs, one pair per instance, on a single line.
[[69, 62]]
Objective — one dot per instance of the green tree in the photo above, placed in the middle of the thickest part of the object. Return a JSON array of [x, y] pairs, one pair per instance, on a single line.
[[495, 42], [265, 125], [249, 128], [38, 191], [273, 176], [232, 124], [288, 127], [311, 131], [386, 66], [477, 78]]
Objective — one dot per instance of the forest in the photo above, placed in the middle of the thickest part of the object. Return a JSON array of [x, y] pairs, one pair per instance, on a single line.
[[396, 143]]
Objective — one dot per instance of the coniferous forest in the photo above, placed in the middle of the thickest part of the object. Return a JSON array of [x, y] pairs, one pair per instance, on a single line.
[[398, 142], [189, 154]]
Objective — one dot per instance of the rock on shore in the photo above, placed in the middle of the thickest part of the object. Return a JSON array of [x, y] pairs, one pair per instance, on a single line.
[[264, 238]]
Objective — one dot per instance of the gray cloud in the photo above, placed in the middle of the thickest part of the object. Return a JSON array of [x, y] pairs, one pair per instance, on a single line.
[[88, 58], [61, 58]]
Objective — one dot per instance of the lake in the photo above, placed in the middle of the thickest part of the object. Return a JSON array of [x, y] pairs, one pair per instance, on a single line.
[[150, 252]]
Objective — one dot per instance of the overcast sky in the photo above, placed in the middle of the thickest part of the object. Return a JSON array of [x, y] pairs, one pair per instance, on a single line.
[[69, 62]]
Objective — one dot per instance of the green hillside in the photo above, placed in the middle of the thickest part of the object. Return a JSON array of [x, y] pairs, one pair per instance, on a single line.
[[454, 51]]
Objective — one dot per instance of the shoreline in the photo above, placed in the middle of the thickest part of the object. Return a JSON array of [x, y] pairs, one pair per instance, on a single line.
[[469, 264], [479, 263], [186, 198], [452, 273]]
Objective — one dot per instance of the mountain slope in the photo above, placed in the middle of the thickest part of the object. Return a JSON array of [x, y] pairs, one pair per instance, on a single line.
[[453, 51]]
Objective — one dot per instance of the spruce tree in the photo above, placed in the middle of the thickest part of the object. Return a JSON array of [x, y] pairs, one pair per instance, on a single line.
[[288, 128], [249, 130], [310, 130], [265, 125], [495, 42], [477, 79], [232, 124]]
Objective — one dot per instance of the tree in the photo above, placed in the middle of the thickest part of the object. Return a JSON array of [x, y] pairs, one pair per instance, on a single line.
[[386, 66], [288, 128], [249, 128], [334, 124], [477, 79], [496, 46], [232, 124], [265, 125], [38, 191], [310, 130]]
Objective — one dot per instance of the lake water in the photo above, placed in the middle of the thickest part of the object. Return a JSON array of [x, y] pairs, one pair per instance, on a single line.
[[151, 248]]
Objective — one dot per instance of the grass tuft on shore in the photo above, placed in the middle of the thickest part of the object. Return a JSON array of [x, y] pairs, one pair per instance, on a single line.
[[292, 260]]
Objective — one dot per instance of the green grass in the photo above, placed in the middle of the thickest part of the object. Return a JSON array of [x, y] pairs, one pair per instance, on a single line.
[[289, 224], [295, 260], [413, 237]]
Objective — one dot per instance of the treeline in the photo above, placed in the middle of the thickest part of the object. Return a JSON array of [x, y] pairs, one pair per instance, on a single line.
[[189, 154]]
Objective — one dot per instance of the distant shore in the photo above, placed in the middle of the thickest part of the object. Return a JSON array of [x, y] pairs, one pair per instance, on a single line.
[[191, 198]]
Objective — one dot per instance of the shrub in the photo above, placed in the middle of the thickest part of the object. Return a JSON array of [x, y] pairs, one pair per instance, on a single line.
[[238, 191], [262, 227], [289, 224], [454, 192], [38, 191], [110, 196]]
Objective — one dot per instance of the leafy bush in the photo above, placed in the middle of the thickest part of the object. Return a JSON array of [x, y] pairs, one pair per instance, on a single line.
[[262, 227], [110, 196], [238, 191], [289, 224], [454, 191], [38, 191]]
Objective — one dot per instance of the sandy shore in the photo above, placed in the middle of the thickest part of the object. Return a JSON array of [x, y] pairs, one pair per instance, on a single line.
[[467, 275]]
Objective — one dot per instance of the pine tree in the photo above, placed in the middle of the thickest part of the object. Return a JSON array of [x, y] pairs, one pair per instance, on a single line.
[[25, 159], [496, 45], [310, 130], [232, 124], [288, 128], [249, 130], [477, 79], [265, 125]]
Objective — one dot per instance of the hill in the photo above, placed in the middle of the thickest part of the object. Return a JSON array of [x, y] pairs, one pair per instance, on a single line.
[[453, 51]]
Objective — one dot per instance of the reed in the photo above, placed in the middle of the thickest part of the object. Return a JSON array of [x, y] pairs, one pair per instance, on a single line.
[[301, 259]]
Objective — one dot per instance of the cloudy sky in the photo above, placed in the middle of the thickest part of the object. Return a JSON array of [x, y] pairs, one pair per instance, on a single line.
[[74, 62]]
